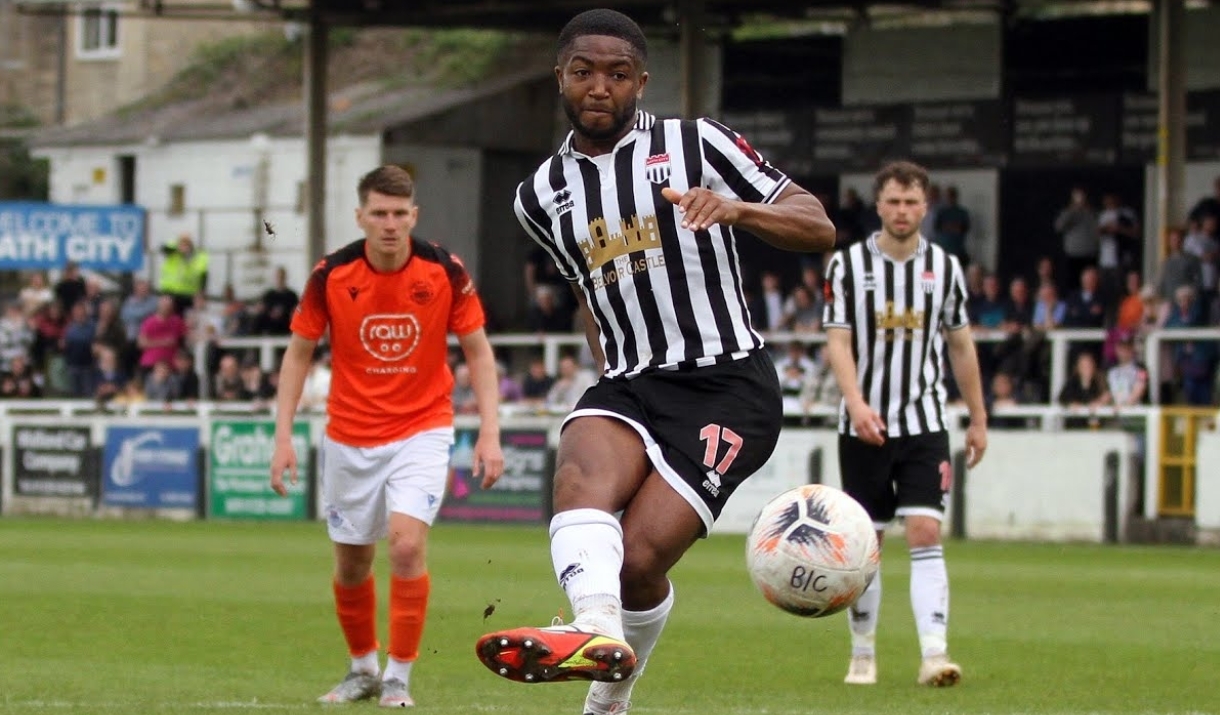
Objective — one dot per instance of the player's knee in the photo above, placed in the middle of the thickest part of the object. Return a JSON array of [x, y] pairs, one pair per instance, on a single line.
[[406, 555], [922, 531]]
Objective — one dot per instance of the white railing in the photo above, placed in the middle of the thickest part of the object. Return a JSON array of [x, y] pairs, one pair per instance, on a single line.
[[553, 345]]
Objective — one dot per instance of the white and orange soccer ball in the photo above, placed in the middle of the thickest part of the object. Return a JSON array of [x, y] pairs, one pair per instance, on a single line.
[[812, 551]]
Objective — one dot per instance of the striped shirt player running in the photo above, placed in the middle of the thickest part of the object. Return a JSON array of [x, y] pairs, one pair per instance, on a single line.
[[893, 302], [639, 214]]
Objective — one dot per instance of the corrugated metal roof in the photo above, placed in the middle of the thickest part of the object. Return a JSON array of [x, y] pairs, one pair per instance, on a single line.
[[363, 109]]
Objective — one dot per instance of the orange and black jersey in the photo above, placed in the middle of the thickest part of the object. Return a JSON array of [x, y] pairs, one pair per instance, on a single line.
[[388, 334]]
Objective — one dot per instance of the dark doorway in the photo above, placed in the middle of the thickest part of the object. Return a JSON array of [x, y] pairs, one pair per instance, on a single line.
[[127, 178], [1031, 198]]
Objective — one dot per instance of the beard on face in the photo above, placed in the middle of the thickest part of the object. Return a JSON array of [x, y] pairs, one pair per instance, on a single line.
[[622, 119], [903, 236]]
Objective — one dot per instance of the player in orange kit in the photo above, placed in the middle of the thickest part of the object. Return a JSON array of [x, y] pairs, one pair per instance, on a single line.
[[390, 302]]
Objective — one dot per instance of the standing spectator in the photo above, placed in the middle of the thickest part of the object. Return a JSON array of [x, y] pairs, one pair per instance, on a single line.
[[1208, 205], [49, 324], [238, 319], [767, 312], [161, 334], [16, 336], [1045, 272], [28, 382], [1118, 247], [1077, 223], [540, 270], [1194, 360], [136, 307], [536, 383], [77, 346], [93, 296], [278, 303], [548, 314], [927, 227], [850, 218], [70, 287], [184, 272], [110, 332], [35, 294], [805, 313], [1203, 242], [952, 227], [1178, 268], [1131, 307]]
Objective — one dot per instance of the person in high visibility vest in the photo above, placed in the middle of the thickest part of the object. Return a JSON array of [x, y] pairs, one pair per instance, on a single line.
[[183, 273]]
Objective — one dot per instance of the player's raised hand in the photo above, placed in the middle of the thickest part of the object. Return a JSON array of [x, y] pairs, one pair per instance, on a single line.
[[488, 460], [700, 208], [283, 459]]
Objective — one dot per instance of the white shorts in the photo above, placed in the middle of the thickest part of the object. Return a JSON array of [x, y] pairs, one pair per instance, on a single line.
[[362, 485]]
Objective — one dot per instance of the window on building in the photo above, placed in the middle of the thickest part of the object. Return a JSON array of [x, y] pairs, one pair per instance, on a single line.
[[177, 199], [97, 32]]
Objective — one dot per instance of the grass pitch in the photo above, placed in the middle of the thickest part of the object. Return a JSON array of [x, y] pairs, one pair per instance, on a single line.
[[154, 617]]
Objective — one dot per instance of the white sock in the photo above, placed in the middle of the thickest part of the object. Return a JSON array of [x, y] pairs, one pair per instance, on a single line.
[[862, 619], [641, 630], [930, 598], [587, 552], [366, 663], [397, 670]]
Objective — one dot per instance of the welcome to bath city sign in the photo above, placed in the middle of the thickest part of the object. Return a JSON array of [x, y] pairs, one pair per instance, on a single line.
[[45, 236]]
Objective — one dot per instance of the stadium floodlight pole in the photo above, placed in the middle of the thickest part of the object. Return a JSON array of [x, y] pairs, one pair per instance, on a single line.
[[315, 132], [1171, 125]]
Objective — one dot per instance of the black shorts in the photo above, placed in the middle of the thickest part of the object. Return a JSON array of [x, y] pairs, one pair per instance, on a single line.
[[905, 476], [705, 429]]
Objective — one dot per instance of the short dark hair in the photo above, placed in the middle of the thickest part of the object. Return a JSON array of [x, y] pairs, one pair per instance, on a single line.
[[905, 173], [602, 21], [390, 180]]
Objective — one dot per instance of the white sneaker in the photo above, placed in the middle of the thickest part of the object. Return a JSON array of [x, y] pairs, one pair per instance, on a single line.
[[394, 694], [862, 670], [597, 706], [939, 672], [356, 686]]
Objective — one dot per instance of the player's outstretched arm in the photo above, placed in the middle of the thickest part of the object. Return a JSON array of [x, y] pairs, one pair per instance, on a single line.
[[488, 457], [795, 221], [293, 369], [964, 360]]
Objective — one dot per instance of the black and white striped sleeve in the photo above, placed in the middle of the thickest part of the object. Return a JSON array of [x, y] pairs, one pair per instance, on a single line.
[[536, 221], [736, 169], [837, 293], [953, 314]]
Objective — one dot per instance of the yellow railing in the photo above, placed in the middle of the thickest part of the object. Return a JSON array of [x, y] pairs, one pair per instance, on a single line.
[[1179, 429]]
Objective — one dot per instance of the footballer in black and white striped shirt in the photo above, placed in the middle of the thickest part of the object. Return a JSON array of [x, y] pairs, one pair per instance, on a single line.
[[894, 301], [640, 214]]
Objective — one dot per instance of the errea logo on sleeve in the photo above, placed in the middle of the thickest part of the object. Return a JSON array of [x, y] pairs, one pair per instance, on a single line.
[[390, 337]]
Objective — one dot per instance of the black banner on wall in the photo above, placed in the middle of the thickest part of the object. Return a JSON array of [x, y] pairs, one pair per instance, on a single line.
[[958, 134], [1065, 130], [860, 138], [1203, 125], [782, 137], [53, 462]]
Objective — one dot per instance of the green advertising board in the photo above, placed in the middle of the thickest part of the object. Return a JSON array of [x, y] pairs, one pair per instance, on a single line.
[[239, 472]]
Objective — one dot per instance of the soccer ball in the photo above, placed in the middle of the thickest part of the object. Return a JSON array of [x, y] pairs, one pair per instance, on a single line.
[[812, 551]]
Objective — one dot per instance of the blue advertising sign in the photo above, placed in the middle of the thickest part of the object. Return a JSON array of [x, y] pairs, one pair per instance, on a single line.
[[44, 236], [151, 467]]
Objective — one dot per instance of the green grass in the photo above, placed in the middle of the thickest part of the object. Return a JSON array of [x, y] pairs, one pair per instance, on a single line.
[[207, 617]]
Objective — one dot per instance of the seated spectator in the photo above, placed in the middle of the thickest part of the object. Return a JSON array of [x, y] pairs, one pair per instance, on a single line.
[[317, 383], [1049, 310], [255, 384], [569, 386], [1086, 387], [1086, 307], [464, 401], [161, 385], [1194, 360], [987, 309], [1131, 307], [510, 389], [793, 368], [27, 381], [805, 313], [109, 378], [1128, 379], [228, 385], [536, 383], [186, 378], [131, 394], [237, 318]]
